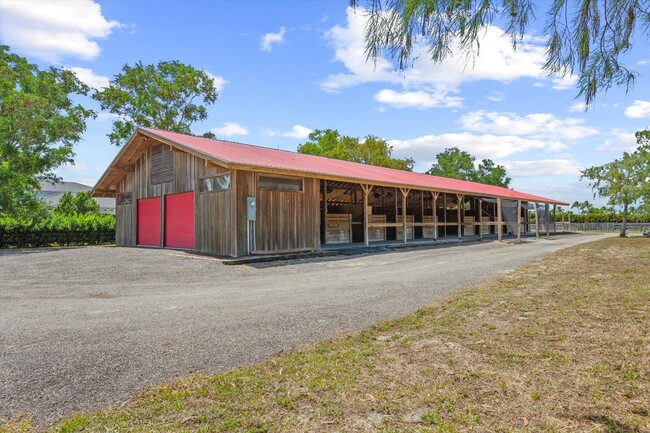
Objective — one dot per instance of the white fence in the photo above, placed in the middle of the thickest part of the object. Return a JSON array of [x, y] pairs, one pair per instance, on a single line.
[[601, 227]]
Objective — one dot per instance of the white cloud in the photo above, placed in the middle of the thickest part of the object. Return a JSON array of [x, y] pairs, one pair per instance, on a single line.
[[535, 125], [229, 129], [542, 167], [577, 107], [219, 81], [497, 61], [297, 132], [50, 30], [496, 97], [88, 77], [639, 110], [563, 83], [643, 62], [272, 38], [619, 141], [418, 99], [424, 149]]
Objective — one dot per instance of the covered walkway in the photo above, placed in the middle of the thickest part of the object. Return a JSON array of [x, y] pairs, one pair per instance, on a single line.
[[373, 215]]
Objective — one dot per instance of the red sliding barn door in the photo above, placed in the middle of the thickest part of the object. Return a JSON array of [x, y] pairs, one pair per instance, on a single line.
[[149, 222], [179, 220]]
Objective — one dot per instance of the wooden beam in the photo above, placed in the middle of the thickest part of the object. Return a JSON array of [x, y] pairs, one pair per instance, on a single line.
[[499, 222], [435, 214], [405, 192], [366, 191], [460, 198], [480, 219], [518, 220], [536, 220], [298, 173], [324, 214]]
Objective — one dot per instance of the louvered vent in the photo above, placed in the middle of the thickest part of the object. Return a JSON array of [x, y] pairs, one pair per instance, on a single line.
[[162, 164]]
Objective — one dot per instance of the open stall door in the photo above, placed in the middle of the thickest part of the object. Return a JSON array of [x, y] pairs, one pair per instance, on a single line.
[[179, 220], [149, 222]]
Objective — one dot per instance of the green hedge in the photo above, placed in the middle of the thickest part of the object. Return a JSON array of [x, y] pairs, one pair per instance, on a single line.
[[90, 229], [606, 218]]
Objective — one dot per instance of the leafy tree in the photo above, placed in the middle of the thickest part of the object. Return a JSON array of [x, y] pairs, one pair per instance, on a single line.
[[623, 181], [66, 205], [373, 150], [582, 206], [85, 204], [458, 164], [455, 164], [164, 96], [81, 204], [39, 125], [584, 36], [490, 173]]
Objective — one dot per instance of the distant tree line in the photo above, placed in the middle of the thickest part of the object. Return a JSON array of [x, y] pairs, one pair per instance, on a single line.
[[577, 213], [452, 162]]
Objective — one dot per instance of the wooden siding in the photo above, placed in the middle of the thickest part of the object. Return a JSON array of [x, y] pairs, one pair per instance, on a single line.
[[245, 188], [213, 216], [288, 220], [125, 214]]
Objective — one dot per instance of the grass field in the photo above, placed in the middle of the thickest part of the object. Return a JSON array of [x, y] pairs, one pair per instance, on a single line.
[[559, 345]]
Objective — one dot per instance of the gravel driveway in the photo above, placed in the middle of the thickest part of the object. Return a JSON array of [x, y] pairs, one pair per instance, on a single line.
[[82, 328]]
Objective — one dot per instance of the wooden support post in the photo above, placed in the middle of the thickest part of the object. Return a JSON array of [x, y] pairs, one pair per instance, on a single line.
[[554, 219], [396, 204], [366, 191], [323, 235], [480, 218], [518, 220], [460, 198], [499, 223], [548, 219], [444, 215], [405, 192], [536, 220], [435, 214]]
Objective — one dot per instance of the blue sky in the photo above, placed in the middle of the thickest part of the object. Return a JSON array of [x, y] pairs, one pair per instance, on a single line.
[[286, 68]]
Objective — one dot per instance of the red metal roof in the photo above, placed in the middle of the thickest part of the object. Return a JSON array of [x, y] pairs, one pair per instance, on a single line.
[[257, 156]]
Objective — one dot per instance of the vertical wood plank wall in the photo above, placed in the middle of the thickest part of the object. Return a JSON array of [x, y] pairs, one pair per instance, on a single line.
[[245, 188], [125, 214], [212, 214], [288, 220]]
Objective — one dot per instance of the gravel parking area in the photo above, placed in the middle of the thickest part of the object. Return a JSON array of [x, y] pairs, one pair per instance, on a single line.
[[82, 328]]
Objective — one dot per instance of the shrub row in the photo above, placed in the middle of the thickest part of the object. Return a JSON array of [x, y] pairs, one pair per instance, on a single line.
[[90, 229]]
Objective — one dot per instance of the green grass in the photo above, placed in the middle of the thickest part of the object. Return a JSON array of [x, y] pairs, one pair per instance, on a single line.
[[559, 345]]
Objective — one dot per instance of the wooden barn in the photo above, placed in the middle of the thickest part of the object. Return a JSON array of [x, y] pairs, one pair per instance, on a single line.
[[230, 199]]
